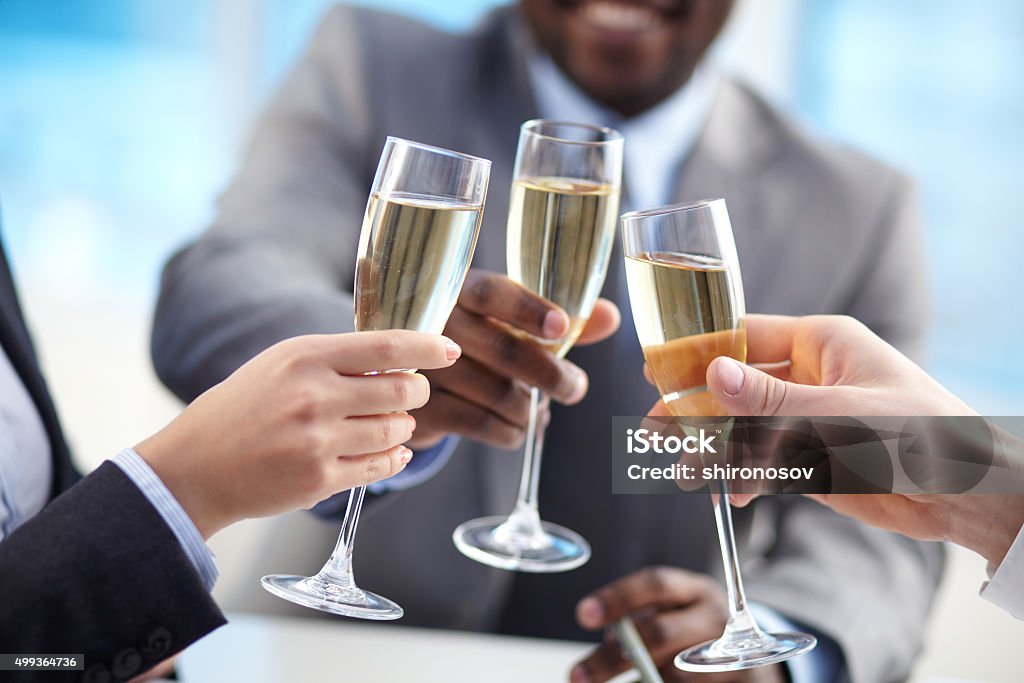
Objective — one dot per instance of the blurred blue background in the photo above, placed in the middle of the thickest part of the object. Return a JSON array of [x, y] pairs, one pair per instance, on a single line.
[[120, 121]]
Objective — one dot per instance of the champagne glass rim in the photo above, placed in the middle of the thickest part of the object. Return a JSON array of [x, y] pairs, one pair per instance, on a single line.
[[437, 150], [610, 134], [672, 208]]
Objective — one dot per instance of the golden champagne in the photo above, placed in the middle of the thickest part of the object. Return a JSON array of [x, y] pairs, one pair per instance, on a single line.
[[687, 313], [414, 253], [560, 233]]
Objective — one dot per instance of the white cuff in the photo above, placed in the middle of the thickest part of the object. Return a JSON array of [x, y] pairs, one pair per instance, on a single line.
[[1006, 587], [160, 497]]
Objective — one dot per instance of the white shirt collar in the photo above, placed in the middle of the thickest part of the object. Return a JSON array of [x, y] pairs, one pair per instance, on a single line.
[[656, 142]]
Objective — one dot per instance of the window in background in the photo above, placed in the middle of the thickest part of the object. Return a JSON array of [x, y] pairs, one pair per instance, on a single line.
[[121, 121], [108, 138], [937, 88]]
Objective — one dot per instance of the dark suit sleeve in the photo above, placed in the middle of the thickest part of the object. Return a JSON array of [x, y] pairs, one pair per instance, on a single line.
[[99, 573], [279, 259]]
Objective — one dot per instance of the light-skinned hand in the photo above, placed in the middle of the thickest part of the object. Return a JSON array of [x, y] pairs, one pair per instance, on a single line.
[[296, 424], [835, 366]]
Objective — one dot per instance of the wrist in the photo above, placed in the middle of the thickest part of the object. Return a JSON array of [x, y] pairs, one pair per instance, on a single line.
[[988, 524], [165, 457]]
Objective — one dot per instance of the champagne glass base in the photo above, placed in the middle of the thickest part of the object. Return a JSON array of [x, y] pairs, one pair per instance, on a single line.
[[732, 655], [551, 549], [319, 593]]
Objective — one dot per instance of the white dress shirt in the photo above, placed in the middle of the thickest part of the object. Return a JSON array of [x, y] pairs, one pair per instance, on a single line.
[[25, 461], [1006, 587], [657, 142]]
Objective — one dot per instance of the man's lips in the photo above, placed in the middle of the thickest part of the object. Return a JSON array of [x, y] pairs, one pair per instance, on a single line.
[[611, 15], [626, 15]]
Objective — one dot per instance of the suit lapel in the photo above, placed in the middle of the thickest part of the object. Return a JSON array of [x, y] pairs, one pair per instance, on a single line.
[[13, 334], [732, 160], [18, 346]]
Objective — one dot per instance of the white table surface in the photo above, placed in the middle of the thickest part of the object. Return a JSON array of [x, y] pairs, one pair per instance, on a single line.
[[260, 649], [263, 649]]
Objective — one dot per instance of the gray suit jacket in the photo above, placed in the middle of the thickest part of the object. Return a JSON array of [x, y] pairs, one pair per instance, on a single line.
[[819, 229]]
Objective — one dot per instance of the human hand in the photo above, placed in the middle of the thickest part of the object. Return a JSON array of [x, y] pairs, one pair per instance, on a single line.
[[673, 609], [296, 424], [485, 396], [835, 366]]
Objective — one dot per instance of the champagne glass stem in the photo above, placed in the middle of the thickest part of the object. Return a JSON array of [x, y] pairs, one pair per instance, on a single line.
[[525, 518], [521, 541], [339, 566], [741, 623]]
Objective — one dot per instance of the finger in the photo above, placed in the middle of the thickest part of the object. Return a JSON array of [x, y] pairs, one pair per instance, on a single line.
[[496, 296], [745, 391], [647, 374], [659, 409], [604, 662], [667, 633], [664, 635], [359, 435], [653, 587], [450, 414], [603, 322], [770, 337], [386, 393], [362, 470], [740, 500], [360, 352], [783, 371], [517, 357], [472, 381]]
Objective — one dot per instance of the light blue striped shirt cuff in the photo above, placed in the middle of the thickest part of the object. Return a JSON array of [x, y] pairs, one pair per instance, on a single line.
[[142, 475]]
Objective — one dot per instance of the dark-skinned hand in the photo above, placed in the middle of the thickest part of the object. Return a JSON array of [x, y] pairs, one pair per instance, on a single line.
[[673, 609], [485, 395]]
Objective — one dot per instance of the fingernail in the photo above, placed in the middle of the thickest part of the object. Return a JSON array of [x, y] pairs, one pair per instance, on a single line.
[[451, 350], [579, 675], [556, 324], [591, 613], [405, 455], [730, 374], [412, 422]]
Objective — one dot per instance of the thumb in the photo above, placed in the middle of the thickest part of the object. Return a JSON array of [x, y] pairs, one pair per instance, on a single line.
[[746, 391]]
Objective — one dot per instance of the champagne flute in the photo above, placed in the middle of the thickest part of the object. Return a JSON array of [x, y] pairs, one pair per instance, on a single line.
[[561, 227], [419, 232], [687, 298]]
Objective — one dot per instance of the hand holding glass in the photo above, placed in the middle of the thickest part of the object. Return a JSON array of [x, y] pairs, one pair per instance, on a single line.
[[687, 299], [561, 226], [419, 233]]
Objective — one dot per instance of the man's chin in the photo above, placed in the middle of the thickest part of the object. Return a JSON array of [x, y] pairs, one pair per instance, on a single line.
[[615, 87]]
